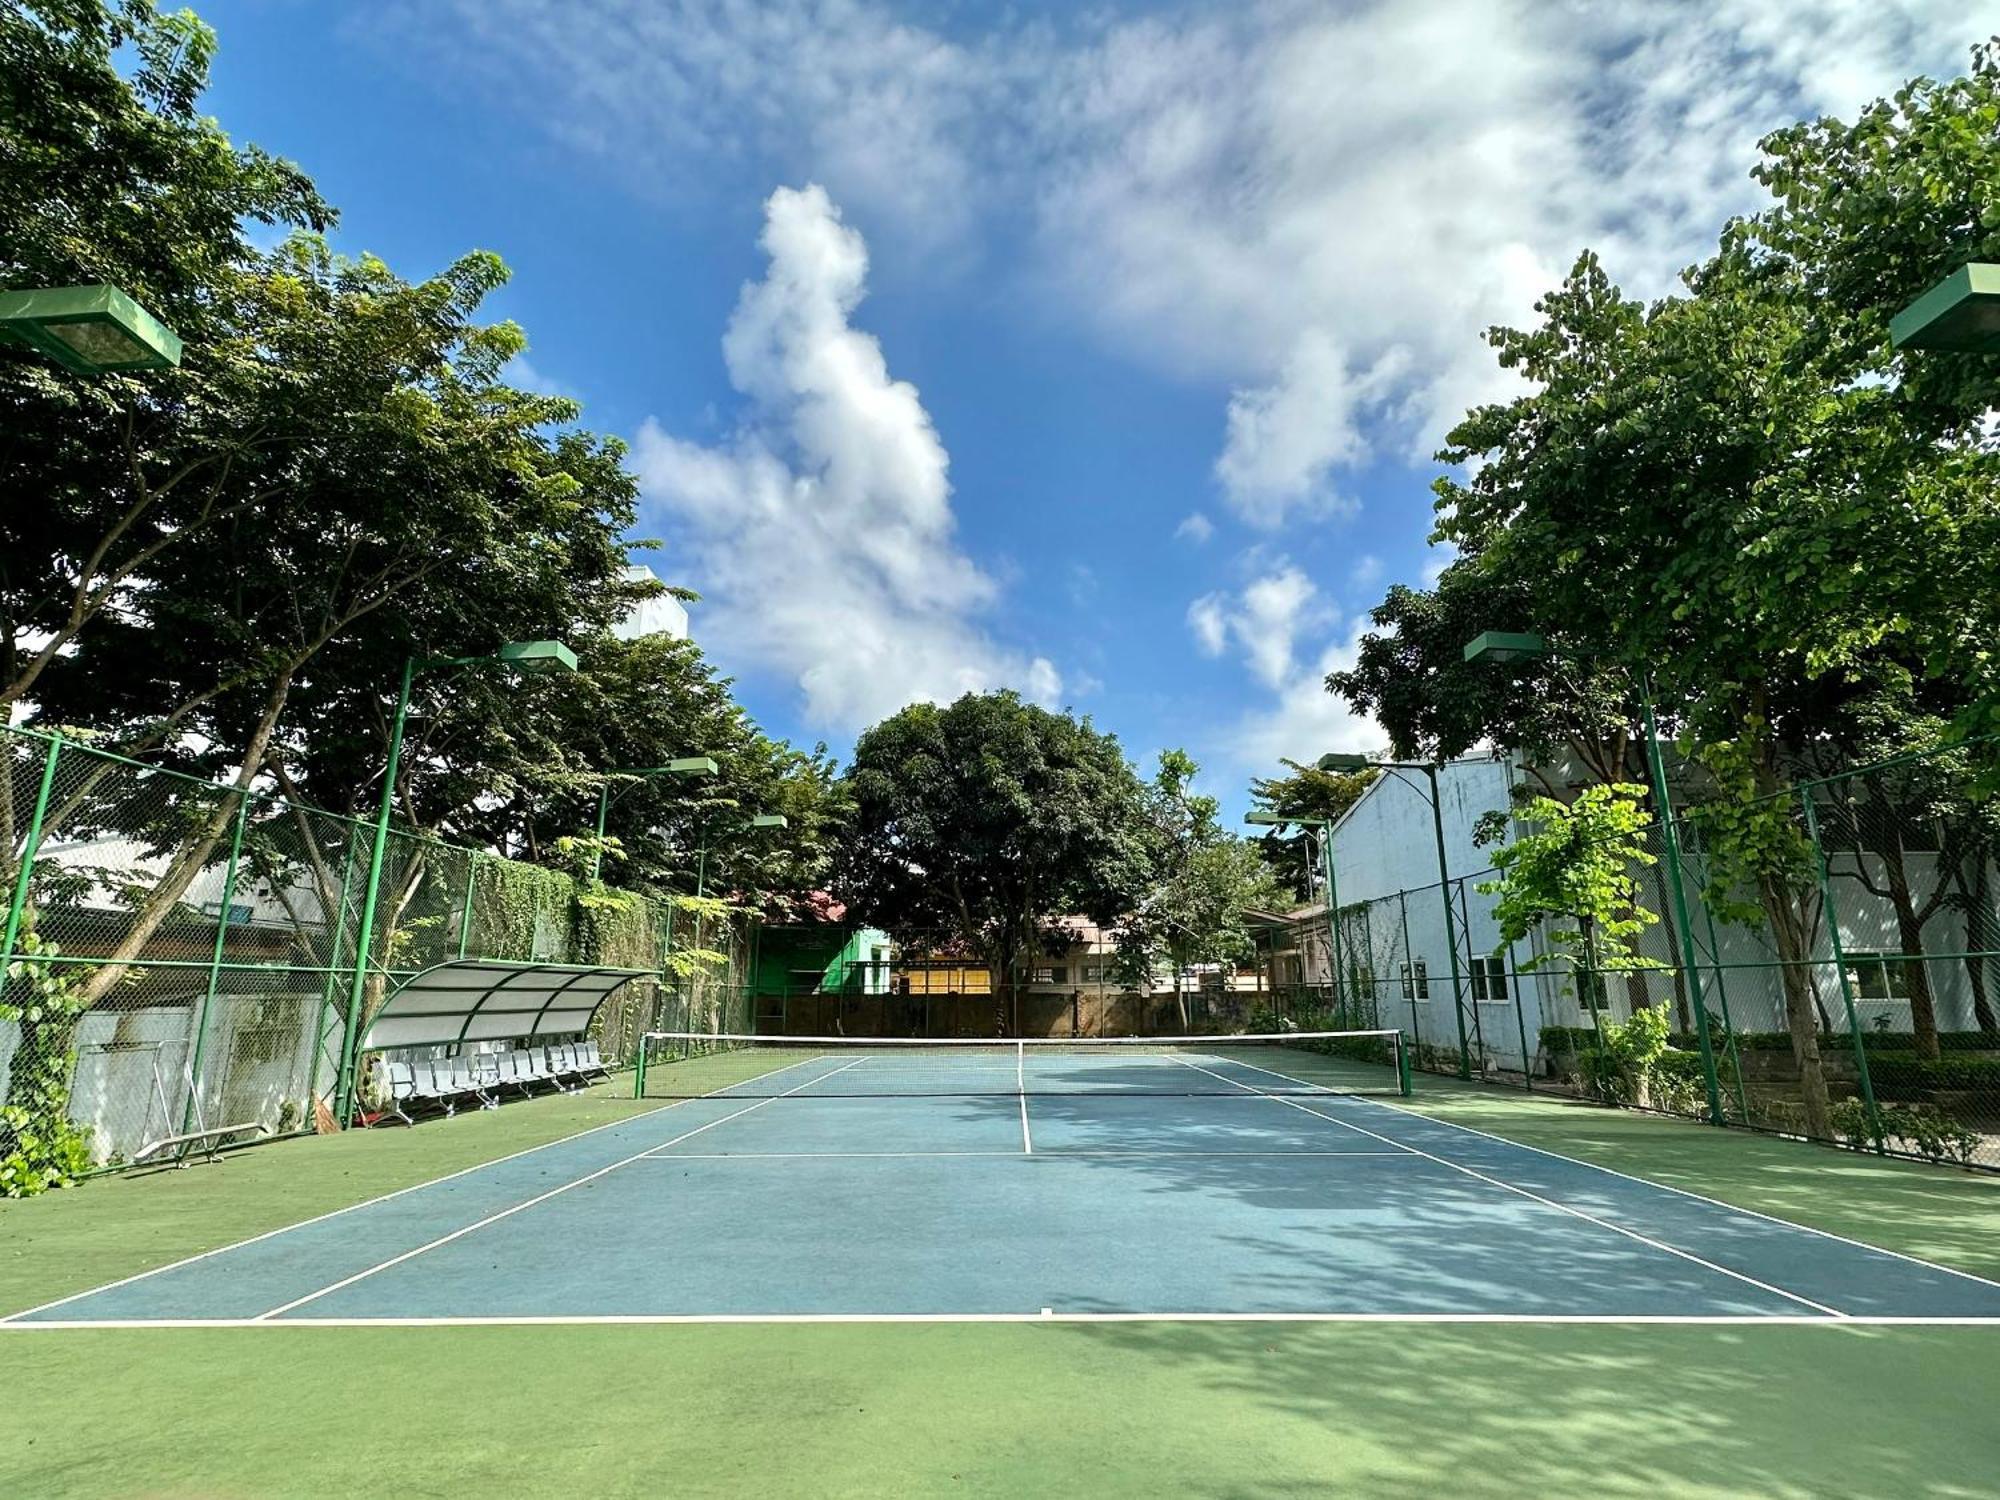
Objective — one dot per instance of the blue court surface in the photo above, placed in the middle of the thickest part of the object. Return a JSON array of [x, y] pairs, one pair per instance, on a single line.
[[1103, 1192]]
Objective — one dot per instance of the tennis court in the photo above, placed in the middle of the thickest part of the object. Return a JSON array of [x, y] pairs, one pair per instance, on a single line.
[[850, 1181]]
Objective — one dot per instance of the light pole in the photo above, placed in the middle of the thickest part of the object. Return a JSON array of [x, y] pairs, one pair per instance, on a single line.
[[1504, 648], [1339, 761], [88, 330], [1325, 826], [525, 657], [686, 765]]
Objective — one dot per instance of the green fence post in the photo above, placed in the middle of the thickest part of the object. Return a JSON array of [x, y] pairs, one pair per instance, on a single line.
[[1728, 1024], [337, 924], [1410, 972], [1520, 1019], [17, 903], [465, 907], [1840, 967], [1683, 930], [215, 961], [1465, 926]]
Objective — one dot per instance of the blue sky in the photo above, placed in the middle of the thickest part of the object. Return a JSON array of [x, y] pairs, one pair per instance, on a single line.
[[1095, 353]]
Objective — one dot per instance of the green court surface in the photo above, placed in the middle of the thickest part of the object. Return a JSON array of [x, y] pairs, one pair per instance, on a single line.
[[1167, 1407]]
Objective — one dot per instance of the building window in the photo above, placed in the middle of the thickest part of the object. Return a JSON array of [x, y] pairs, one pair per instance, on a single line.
[[1590, 991], [1879, 976], [1489, 978], [1091, 973], [1043, 974], [1417, 980]]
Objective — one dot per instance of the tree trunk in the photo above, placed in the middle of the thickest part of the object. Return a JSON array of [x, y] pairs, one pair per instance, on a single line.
[[192, 857], [1910, 934], [1801, 1009]]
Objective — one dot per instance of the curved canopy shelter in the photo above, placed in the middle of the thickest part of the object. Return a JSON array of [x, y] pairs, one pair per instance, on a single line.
[[493, 999]]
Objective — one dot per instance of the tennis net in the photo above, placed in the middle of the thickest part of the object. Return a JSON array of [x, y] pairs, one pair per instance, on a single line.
[[685, 1064]]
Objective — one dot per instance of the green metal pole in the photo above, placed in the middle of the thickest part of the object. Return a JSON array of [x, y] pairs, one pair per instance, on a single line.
[[357, 996], [1513, 977], [1332, 917], [337, 923], [1728, 1024], [597, 851], [1403, 1085], [1410, 970], [1478, 1026], [17, 904], [1683, 929], [1450, 938], [1840, 966], [215, 961], [465, 906]]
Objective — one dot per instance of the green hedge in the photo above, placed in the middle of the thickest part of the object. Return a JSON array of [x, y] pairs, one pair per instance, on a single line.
[[1899, 1070]]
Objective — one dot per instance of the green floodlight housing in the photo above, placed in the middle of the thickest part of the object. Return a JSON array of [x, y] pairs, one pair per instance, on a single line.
[[1960, 315], [1340, 760], [90, 330], [540, 658], [692, 765], [769, 820], [1266, 819], [1505, 646]]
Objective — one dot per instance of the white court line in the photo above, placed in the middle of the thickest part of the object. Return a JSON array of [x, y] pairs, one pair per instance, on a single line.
[[1590, 1218], [188, 1260], [557, 1320], [446, 1239], [1011, 1155], [1665, 1187]]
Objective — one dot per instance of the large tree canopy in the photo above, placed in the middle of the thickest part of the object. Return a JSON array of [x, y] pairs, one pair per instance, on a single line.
[[979, 820]]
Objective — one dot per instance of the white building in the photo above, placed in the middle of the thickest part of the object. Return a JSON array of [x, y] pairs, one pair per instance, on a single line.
[[661, 615]]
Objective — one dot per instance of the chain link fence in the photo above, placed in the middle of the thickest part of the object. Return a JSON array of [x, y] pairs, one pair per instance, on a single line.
[[180, 957], [1847, 971]]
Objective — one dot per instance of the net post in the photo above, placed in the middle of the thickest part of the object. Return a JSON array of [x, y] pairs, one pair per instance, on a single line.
[[1402, 1067], [639, 1072]]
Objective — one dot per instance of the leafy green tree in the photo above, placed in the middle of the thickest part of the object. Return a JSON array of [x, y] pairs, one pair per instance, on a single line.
[[986, 818], [1573, 875], [1307, 792], [112, 175], [1205, 881]]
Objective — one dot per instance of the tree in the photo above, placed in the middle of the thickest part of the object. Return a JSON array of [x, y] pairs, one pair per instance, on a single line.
[[987, 817], [1205, 880], [1307, 792], [114, 176], [1573, 875]]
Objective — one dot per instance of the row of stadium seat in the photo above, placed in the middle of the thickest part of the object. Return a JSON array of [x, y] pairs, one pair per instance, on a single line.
[[479, 1078]]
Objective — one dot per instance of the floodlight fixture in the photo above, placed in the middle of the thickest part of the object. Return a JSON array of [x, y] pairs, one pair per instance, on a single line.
[[90, 330], [1960, 315], [1266, 819], [1505, 646], [1341, 760], [538, 658], [769, 820]]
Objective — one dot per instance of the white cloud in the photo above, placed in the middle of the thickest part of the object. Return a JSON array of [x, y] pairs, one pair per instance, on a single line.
[[1289, 635], [1195, 527], [1318, 206], [1206, 618], [821, 531], [1364, 573], [1264, 621]]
